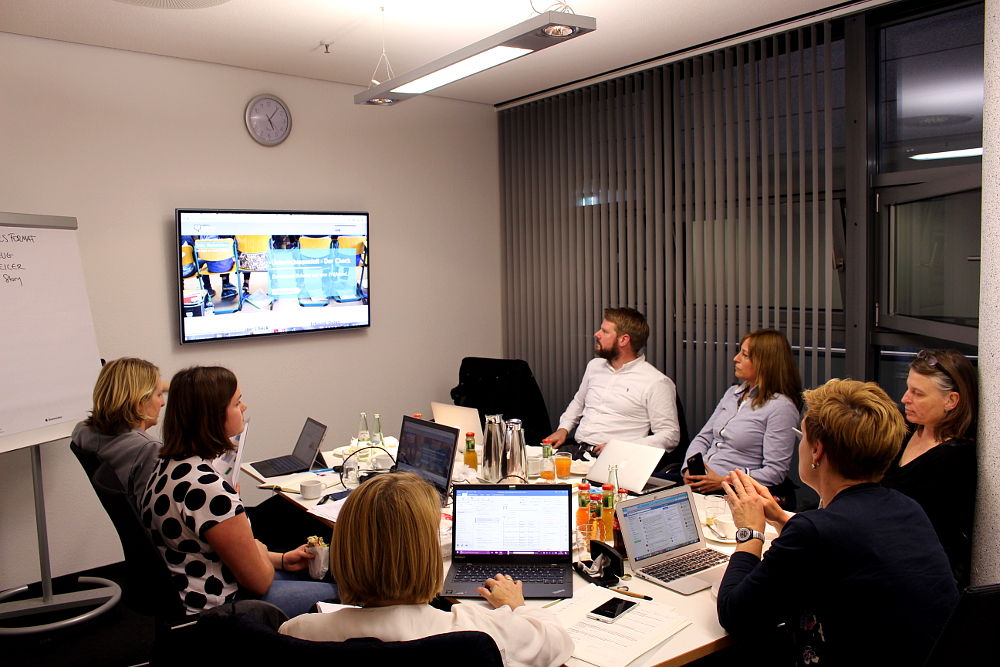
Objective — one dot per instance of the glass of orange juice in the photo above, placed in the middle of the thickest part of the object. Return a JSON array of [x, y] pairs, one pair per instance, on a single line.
[[564, 461]]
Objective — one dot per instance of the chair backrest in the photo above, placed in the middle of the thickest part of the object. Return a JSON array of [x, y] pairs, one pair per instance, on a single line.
[[214, 250], [965, 638], [148, 586], [677, 455], [507, 387], [248, 641], [89, 460]]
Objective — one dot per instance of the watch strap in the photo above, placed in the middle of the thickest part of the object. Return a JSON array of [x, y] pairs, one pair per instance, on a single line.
[[746, 534]]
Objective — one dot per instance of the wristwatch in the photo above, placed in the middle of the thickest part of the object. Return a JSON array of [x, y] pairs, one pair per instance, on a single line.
[[747, 534]]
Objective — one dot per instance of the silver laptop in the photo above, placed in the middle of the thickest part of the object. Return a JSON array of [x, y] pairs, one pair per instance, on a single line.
[[523, 530], [301, 458], [466, 420], [635, 465], [665, 544]]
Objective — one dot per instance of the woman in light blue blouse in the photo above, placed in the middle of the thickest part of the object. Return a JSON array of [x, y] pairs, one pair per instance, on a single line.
[[753, 427]]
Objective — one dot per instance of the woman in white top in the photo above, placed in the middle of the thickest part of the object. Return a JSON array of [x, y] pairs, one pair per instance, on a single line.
[[386, 558]]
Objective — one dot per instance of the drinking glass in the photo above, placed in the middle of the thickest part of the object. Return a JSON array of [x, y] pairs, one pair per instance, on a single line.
[[564, 461]]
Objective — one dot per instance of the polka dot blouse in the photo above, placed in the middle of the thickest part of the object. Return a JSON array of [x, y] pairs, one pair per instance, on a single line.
[[183, 499]]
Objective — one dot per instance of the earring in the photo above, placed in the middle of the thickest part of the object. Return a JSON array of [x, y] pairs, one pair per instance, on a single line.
[[813, 465]]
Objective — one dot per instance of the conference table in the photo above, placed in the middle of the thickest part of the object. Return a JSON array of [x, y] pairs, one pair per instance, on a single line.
[[702, 637]]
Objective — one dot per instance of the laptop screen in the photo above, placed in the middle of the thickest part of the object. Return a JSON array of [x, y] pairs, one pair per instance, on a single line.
[[660, 525], [428, 450], [309, 441], [503, 521]]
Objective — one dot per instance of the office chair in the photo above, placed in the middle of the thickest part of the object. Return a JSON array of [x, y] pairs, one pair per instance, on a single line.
[[217, 257], [507, 387], [360, 247], [671, 461], [253, 258], [90, 461], [314, 283], [965, 637], [247, 641]]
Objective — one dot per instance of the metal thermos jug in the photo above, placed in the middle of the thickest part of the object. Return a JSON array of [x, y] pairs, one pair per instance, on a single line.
[[493, 444], [515, 451]]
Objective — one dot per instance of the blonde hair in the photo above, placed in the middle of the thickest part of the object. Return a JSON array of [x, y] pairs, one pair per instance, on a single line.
[[122, 386], [385, 545], [771, 356], [859, 425]]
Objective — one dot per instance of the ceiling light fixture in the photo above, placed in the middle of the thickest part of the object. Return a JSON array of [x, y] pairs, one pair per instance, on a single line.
[[965, 152], [537, 33]]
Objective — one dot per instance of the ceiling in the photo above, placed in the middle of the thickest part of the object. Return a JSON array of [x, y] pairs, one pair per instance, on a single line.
[[287, 36]]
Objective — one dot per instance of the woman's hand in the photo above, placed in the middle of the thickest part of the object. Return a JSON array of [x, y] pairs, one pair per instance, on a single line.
[[773, 513], [707, 483], [296, 560], [502, 590], [746, 504]]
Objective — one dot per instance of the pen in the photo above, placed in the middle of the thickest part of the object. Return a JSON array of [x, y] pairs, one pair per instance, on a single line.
[[629, 593], [324, 499]]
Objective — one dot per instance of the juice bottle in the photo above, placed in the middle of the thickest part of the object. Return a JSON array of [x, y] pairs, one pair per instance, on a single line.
[[471, 459], [596, 526], [583, 508], [548, 472], [608, 508]]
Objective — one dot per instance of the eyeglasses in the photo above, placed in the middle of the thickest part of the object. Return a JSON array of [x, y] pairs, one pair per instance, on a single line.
[[932, 361]]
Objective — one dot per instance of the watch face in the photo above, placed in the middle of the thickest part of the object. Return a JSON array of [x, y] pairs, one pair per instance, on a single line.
[[268, 120], [745, 535]]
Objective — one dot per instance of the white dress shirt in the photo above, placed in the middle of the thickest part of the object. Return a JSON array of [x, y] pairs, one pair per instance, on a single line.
[[624, 404], [526, 637]]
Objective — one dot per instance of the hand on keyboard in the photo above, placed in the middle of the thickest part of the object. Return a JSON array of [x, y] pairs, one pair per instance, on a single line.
[[501, 590]]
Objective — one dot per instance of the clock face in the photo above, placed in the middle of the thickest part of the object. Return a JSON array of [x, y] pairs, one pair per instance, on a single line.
[[268, 120]]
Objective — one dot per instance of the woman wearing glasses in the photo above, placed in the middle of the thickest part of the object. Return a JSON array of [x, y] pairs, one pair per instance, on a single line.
[[937, 466]]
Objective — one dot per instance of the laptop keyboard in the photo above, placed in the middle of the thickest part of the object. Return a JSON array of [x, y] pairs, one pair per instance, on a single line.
[[284, 463], [529, 574], [682, 566]]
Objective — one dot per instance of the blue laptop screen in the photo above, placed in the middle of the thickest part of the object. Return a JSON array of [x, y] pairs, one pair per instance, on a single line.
[[661, 525], [512, 522]]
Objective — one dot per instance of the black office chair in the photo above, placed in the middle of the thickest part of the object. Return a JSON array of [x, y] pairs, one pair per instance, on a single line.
[[507, 387], [244, 640], [671, 461], [89, 460], [965, 637]]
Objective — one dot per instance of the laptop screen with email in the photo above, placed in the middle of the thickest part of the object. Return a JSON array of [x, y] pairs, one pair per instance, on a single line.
[[502, 521], [661, 525]]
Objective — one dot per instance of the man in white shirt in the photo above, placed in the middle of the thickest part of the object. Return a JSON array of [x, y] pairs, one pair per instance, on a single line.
[[622, 397]]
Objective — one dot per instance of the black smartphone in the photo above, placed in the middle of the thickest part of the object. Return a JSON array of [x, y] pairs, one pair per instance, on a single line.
[[696, 465], [611, 610]]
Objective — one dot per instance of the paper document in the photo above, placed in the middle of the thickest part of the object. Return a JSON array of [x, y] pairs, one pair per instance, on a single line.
[[328, 607], [329, 511], [619, 643]]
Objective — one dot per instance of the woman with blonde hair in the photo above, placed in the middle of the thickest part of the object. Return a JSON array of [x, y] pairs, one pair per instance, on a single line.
[[386, 558], [753, 427], [862, 581], [128, 398]]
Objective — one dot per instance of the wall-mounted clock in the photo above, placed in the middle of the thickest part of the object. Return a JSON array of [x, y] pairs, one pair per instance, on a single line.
[[268, 120]]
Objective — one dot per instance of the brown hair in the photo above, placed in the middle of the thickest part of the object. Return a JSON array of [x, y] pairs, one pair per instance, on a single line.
[[195, 419], [122, 386], [951, 372], [771, 356], [385, 545], [859, 425], [630, 322]]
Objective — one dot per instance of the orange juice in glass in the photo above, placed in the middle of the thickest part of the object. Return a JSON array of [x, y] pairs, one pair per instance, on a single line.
[[564, 461]]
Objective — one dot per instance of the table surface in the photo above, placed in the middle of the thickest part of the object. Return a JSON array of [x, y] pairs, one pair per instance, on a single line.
[[703, 636]]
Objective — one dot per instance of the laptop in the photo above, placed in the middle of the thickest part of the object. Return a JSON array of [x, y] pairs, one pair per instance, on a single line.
[[464, 419], [665, 544], [635, 465], [301, 458], [428, 450], [524, 530]]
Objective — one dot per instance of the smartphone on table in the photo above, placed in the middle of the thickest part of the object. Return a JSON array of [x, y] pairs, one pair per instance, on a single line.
[[611, 610], [696, 465]]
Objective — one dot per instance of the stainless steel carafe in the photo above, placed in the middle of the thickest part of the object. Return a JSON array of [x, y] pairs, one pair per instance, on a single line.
[[516, 455], [493, 449]]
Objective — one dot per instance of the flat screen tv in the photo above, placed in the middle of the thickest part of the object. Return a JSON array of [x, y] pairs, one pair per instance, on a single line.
[[263, 273]]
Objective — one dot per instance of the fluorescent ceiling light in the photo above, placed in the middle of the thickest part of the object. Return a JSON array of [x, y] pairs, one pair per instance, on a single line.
[[485, 60], [535, 34], [965, 152]]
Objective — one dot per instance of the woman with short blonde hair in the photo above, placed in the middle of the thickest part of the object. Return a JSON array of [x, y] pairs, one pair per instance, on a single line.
[[128, 397], [386, 557]]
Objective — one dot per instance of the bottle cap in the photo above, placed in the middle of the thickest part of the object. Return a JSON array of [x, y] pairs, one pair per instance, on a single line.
[[418, 415], [583, 486], [608, 487], [470, 434], [595, 496], [546, 440]]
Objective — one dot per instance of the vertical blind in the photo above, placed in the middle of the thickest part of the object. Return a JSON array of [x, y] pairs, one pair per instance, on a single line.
[[700, 192]]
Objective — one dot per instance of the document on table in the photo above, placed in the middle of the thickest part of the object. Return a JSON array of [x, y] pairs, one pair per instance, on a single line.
[[619, 643], [329, 511]]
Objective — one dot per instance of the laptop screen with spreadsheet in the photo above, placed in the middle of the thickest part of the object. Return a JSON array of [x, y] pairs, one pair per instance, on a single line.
[[661, 525], [518, 521]]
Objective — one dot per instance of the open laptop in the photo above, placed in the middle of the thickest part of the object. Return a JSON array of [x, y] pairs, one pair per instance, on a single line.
[[301, 458], [428, 450], [466, 420], [635, 465], [524, 530], [665, 544]]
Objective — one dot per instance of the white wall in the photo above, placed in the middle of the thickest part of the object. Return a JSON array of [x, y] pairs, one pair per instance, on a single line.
[[120, 139]]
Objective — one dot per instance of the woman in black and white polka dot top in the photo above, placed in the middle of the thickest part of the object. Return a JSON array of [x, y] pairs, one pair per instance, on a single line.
[[197, 519]]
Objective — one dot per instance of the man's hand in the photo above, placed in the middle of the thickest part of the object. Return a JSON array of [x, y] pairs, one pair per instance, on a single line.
[[599, 448], [707, 483], [559, 438]]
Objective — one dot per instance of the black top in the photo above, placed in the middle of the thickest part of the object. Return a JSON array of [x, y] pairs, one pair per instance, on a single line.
[[862, 582], [943, 481]]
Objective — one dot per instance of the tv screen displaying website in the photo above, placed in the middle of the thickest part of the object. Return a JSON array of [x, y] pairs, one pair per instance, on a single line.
[[264, 273]]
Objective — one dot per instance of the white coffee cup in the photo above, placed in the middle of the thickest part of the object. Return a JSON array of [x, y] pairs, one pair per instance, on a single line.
[[725, 525], [383, 462], [311, 489]]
